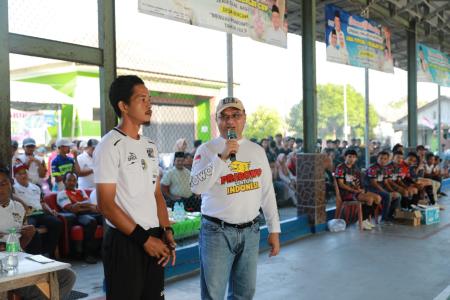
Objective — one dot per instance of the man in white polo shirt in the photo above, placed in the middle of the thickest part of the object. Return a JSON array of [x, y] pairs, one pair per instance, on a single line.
[[233, 176], [138, 241], [86, 162]]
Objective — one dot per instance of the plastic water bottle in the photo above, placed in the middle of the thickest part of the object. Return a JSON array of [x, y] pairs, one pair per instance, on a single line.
[[12, 250], [182, 211], [176, 212]]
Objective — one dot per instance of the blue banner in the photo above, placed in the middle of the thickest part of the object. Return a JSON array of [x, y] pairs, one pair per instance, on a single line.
[[432, 66], [356, 41]]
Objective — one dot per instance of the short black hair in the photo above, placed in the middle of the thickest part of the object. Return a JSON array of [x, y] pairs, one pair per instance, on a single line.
[[350, 152], [396, 146], [197, 143], [429, 155], [187, 154], [413, 154], [273, 144], [179, 155], [298, 140], [420, 147], [5, 170], [275, 9], [398, 153], [337, 14], [333, 31], [67, 175], [382, 153], [121, 90]]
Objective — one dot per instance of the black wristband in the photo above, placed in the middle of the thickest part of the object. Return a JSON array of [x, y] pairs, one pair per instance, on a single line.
[[139, 235]]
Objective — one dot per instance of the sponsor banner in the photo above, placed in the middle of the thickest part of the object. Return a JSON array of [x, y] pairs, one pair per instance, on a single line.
[[32, 124], [432, 66], [356, 41], [261, 20]]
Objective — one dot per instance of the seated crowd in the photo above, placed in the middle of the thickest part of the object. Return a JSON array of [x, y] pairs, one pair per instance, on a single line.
[[393, 180]]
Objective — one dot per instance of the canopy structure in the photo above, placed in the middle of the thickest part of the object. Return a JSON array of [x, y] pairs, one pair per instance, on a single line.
[[432, 21]]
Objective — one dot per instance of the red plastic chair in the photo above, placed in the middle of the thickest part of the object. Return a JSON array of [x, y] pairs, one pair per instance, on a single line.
[[71, 233], [349, 207]]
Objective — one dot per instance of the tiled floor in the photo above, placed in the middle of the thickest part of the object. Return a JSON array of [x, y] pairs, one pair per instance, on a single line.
[[393, 262]]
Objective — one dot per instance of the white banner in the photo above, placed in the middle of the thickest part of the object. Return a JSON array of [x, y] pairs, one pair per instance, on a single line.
[[261, 20]]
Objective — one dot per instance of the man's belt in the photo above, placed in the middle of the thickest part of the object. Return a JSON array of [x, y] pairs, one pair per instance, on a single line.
[[237, 226]]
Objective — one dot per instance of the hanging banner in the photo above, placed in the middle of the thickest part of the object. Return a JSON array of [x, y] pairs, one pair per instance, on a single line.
[[432, 66], [261, 20], [356, 41], [32, 124]]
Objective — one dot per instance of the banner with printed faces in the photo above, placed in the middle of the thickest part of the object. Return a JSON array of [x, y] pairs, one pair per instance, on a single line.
[[432, 66], [356, 41], [261, 20]]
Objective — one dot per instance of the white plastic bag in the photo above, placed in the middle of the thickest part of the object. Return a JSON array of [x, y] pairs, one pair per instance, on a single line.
[[336, 225]]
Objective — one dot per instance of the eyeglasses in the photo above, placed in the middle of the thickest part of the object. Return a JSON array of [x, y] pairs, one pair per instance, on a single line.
[[235, 116]]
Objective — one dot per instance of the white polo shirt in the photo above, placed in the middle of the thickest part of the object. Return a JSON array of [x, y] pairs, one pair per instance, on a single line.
[[85, 161], [235, 191], [11, 216], [30, 194], [133, 166]]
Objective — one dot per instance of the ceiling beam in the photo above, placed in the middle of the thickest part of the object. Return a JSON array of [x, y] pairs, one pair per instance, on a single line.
[[408, 6]]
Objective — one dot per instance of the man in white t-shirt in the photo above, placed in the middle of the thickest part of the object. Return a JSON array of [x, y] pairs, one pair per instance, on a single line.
[[86, 163], [39, 213], [233, 176], [35, 164], [12, 214], [138, 241]]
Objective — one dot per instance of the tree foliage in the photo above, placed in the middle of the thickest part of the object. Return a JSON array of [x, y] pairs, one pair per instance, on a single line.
[[330, 110], [263, 122]]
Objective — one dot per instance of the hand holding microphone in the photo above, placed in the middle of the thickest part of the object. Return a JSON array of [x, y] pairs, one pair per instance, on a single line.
[[231, 146]]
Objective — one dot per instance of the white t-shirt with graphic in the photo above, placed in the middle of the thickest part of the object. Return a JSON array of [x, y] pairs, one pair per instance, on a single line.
[[11, 216], [133, 166], [85, 161], [235, 191], [30, 194]]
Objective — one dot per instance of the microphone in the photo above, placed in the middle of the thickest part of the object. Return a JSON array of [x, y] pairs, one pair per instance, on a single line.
[[231, 134]]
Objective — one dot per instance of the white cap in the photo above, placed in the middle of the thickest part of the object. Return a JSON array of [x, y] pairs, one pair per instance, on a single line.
[[63, 142]]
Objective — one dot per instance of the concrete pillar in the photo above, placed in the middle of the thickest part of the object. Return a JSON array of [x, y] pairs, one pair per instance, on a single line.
[[5, 101], [412, 84], [309, 76], [311, 189]]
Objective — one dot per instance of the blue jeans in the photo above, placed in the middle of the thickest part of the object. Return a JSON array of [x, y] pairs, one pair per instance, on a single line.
[[389, 204], [228, 255]]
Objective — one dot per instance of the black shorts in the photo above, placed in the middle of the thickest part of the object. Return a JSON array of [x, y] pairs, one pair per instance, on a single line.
[[130, 273]]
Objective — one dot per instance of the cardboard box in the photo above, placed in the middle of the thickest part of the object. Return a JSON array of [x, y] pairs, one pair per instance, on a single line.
[[411, 218], [430, 215]]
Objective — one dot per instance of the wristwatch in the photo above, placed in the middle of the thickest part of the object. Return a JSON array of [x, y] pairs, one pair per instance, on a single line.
[[168, 228]]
